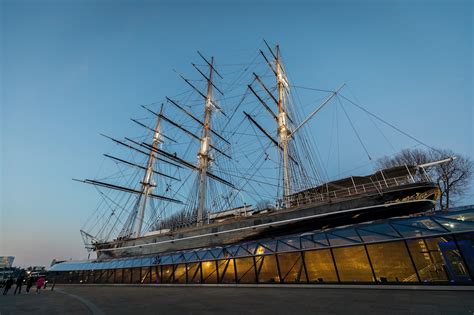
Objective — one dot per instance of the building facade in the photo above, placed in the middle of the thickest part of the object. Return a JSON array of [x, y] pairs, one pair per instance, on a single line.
[[434, 248]]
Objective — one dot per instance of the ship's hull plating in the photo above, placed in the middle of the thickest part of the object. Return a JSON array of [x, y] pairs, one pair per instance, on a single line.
[[409, 199]]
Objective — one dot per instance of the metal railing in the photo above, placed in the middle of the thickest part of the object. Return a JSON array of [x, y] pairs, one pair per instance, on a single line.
[[355, 190]]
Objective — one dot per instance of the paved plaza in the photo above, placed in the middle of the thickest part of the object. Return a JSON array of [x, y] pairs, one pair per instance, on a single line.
[[236, 300]]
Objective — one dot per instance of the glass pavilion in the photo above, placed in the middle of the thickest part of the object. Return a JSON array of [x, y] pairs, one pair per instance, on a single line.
[[434, 248]]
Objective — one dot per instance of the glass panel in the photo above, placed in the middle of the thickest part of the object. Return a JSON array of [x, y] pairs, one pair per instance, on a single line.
[[98, 275], [320, 238], [180, 273], [352, 264], [428, 259], [291, 267], [167, 273], [217, 252], [466, 244], [461, 215], [267, 269], [289, 245], [155, 274], [349, 233], [455, 225], [209, 272], [194, 273], [391, 262], [146, 276], [369, 236], [242, 252], [320, 266], [109, 277], [336, 240], [177, 258], [136, 275], [118, 276], [383, 229], [226, 271], [455, 267], [245, 270], [270, 245], [307, 243], [190, 256]]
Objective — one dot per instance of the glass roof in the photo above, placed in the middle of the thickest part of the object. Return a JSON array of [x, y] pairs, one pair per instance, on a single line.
[[429, 224]]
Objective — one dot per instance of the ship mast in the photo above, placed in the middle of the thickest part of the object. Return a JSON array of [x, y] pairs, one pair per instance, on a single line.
[[147, 183], [203, 154], [283, 130]]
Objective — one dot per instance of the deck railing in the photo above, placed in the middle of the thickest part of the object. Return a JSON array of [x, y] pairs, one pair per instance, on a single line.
[[355, 190]]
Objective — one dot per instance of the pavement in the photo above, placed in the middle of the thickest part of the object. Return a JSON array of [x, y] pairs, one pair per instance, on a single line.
[[235, 300]]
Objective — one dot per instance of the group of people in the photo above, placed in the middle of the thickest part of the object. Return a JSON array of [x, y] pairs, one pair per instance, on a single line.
[[39, 283]]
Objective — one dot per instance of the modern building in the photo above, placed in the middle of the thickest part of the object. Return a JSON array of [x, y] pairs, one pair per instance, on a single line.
[[432, 248], [6, 261]]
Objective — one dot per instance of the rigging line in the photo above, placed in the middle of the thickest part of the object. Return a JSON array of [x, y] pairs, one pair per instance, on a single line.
[[308, 88], [389, 124], [353, 128], [373, 122]]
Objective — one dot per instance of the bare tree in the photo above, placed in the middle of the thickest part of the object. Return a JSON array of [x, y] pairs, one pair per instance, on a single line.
[[453, 177]]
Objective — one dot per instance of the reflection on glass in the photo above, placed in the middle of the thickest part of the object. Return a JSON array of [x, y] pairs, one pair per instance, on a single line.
[[180, 273], [291, 267], [391, 262], [109, 277], [209, 272], [352, 264], [245, 270], [226, 271], [466, 244], [194, 273], [428, 260], [320, 266], [146, 276], [267, 268], [167, 273]]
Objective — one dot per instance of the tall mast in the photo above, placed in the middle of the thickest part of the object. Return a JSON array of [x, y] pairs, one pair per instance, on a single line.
[[283, 131], [147, 183], [203, 154]]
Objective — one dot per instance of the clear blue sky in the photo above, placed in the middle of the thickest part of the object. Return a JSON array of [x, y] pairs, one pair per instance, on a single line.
[[73, 69]]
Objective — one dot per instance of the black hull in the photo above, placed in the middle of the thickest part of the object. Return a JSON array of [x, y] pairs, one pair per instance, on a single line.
[[397, 201]]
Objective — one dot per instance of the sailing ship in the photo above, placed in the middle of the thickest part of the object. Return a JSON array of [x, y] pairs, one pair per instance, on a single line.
[[209, 210]]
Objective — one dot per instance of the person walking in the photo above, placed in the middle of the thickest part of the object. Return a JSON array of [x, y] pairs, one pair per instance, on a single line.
[[8, 285], [39, 284], [19, 283], [29, 284]]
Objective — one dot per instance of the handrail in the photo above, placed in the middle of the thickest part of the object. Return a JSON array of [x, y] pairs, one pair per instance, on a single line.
[[355, 190]]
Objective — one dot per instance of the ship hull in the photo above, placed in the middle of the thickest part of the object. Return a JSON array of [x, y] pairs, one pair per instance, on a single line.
[[401, 201]]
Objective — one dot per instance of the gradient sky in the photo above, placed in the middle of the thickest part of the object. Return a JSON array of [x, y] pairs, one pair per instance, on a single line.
[[72, 69]]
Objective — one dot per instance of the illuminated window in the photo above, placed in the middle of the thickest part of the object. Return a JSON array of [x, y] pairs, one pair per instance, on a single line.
[[194, 273], [391, 262], [267, 268], [180, 273], [226, 271], [209, 272], [320, 266], [245, 270], [352, 264], [167, 273], [428, 259], [291, 267]]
